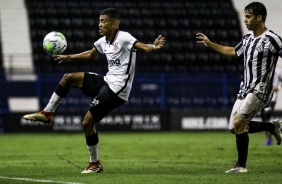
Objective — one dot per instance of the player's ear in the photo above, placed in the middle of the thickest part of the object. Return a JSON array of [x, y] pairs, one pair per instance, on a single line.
[[259, 18], [115, 24]]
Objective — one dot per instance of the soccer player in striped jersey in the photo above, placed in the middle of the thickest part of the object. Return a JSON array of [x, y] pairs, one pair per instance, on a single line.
[[109, 91], [259, 49]]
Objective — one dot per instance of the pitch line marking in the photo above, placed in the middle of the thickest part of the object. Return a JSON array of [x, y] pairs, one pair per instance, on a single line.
[[39, 181]]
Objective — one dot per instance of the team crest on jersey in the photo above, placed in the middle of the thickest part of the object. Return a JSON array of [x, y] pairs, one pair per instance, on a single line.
[[111, 48], [261, 87]]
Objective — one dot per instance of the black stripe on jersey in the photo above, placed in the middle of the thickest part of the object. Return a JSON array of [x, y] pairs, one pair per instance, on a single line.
[[127, 71], [253, 49], [114, 37], [245, 63], [124, 85], [273, 42], [241, 56], [130, 56], [129, 63], [97, 50]]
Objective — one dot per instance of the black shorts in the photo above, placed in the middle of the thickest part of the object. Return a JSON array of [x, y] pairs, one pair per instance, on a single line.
[[105, 100]]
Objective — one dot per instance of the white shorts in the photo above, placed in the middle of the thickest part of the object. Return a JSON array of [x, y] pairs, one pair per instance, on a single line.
[[246, 108]]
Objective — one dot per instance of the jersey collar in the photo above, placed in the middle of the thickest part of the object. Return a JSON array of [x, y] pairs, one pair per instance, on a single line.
[[114, 37]]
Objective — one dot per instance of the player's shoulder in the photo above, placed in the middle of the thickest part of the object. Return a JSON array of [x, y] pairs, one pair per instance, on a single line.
[[125, 37], [272, 34], [247, 35], [123, 34], [102, 40]]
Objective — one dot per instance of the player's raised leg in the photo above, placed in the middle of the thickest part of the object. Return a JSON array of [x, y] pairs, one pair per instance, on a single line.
[[68, 81], [276, 132]]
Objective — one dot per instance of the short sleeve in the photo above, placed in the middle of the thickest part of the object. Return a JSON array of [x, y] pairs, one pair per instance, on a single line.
[[99, 45], [128, 40]]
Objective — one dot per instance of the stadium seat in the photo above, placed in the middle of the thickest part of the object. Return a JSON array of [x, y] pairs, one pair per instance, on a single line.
[[178, 21]]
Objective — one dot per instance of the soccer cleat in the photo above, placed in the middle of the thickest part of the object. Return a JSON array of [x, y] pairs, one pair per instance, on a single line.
[[237, 169], [276, 133], [93, 167], [268, 142], [42, 116]]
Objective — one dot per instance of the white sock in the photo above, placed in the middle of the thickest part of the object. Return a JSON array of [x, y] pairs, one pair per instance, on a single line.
[[53, 103], [93, 152]]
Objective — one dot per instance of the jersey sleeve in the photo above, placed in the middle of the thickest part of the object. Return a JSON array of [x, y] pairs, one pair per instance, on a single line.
[[128, 40], [99, 45], [239, 49], [275, 43]]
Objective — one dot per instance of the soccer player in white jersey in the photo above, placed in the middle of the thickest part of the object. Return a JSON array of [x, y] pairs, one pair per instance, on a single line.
[[109, 91], [260, 50], [267, 112]]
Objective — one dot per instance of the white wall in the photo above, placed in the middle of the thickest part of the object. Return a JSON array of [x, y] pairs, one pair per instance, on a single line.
[[16, 42]]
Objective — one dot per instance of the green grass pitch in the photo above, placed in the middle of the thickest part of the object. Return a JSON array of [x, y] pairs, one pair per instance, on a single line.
[[136, 158]]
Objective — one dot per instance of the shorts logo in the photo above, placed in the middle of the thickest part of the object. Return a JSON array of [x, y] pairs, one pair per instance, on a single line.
[[95, 102]]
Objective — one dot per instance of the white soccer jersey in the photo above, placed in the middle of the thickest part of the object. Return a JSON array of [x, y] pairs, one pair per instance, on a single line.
[[121, 57], [276, 82], [260, 57]]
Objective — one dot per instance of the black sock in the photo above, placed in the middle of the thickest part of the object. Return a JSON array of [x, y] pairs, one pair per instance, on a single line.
[[257, 126], [242, 142], [92, 139], [61, 91]]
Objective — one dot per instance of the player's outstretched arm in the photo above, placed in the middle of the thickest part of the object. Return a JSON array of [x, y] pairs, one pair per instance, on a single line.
[[225, 50], [87, 55], [158, 44]]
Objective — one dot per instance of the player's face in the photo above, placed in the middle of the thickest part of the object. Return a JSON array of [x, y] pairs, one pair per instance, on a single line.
[[106, 27], [250, 21]]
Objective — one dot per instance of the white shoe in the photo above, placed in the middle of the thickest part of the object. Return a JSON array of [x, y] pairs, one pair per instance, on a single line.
[[277, 133], [237, 169]]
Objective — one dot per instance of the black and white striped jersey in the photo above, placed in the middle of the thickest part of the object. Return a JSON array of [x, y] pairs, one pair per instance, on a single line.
[[260, 56], [121, 57]]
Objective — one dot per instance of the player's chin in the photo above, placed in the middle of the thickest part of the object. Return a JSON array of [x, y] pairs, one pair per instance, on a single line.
[[101, 33], [248, 27]]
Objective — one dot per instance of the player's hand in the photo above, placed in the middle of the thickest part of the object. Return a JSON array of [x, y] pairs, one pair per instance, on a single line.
[[203, 39], [159, 42], [61, 58]]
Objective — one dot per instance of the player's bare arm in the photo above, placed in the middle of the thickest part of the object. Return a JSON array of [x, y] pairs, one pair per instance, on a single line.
[[225, 50], [158, 44], [87, 55]]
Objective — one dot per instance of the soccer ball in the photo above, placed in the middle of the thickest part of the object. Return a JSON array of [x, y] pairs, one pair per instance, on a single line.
[[54, 43]]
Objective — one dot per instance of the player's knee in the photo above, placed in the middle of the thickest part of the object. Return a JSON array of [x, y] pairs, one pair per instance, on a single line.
[[239, 125], [87, 126], [67, 78], [237, 122]]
